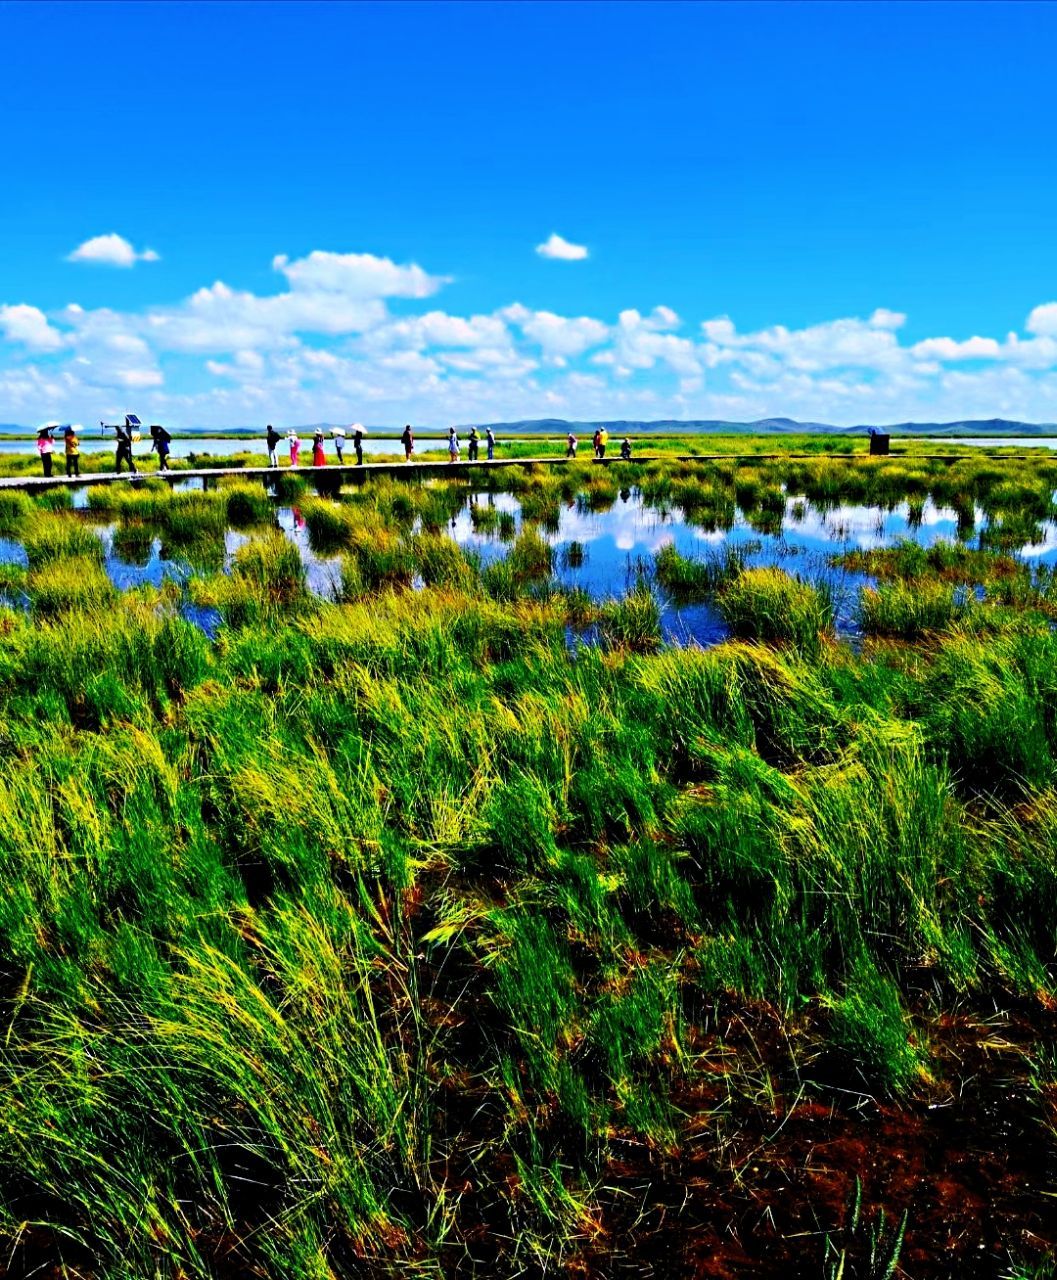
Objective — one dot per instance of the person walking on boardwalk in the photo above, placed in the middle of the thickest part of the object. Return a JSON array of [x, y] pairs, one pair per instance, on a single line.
[[407, 439], [319, 458], [358, 432], [489, 437], [273, 437], [73, 451], [295, 446], [123, 432], [453, 445], [45, 447], [339, 444], [571, 443], [160, 442], [471, 448], [603, 440], [596, 441]]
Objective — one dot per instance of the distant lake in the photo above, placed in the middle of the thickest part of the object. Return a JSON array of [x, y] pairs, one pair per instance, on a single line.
[[988, 442]]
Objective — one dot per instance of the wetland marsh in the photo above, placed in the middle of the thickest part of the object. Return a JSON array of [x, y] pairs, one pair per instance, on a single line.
[[644, 870]]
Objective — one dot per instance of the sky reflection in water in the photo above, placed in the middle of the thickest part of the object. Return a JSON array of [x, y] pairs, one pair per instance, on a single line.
[[619, 546]]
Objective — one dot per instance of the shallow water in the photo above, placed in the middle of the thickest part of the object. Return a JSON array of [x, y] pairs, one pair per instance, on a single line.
[[992, 442], [618, 548], [620, 544]]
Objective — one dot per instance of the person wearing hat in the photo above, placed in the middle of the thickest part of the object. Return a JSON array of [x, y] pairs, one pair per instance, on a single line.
[[319, 457], [73, 451], [339, 443], [45, 447], [471, 451]]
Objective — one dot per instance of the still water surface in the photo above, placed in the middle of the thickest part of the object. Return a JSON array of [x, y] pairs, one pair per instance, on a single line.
[[619, 545]]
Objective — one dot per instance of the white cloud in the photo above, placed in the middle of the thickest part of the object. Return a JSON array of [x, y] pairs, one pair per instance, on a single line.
[[326, 341], [834, 344], [219, 318], [437, 328], [29, 326], [948, 349], [357, 275], [663, 318], [557, 246], [557, 336], [1043, 320], [110, 250], [329, 293], [639, 344]]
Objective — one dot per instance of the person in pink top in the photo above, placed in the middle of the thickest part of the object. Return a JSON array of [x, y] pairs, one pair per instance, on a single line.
[[295, 447], [45, 447]]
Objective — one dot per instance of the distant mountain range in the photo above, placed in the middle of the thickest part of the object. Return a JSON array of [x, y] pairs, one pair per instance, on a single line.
[[780, 426], [675, 426]]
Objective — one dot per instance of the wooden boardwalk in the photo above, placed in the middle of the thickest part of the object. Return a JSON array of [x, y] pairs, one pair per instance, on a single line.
[[331, 474]]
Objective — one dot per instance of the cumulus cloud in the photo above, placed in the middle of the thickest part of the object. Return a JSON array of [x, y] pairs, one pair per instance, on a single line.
[[438, 328], [1042, 320], [557, 336], [110, 250], [834, 344], [948, 349], [556, 246], [882, 318], [346, 335], [357, 275], [29, 326]]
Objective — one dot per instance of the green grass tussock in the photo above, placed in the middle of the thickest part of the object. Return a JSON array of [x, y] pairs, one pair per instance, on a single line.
[[898, 609], [770, 605]]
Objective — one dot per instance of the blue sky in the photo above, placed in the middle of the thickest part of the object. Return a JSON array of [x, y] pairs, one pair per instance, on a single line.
[[841, 212]]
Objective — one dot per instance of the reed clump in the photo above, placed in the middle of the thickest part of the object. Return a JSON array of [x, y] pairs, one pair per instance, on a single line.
[[771, 605]]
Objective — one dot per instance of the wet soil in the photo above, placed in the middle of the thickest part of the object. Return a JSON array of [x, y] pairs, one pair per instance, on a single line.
[[756, 1185]]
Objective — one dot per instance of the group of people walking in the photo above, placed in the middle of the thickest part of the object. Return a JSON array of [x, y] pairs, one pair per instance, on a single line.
[[128, 432], [473, 441], [407, 441], [319, 453], [71, 447]]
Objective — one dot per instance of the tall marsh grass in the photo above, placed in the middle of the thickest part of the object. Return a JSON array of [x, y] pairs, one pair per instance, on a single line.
[[398, 935], [770, 605]]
